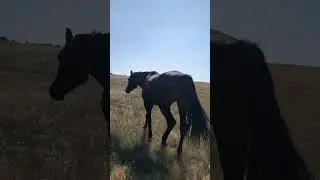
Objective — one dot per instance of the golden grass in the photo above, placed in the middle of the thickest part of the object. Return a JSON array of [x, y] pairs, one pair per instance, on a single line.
[[41, 139]]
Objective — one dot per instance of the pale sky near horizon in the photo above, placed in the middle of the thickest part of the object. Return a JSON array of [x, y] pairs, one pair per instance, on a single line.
[[161, 35], [45, 21], [287, 31]]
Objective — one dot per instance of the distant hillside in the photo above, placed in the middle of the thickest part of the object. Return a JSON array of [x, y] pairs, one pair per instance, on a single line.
[[5, 40]]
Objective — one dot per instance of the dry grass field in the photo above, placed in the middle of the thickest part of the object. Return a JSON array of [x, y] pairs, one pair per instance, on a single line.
[[42, 139]]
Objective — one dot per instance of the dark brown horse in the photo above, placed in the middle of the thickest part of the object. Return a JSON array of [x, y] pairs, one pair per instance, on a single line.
[[81, 56], [252, 137], [165, 89]]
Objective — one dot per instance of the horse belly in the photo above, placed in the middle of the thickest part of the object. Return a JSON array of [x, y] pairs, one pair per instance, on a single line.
[[165, 90], [168, 96]]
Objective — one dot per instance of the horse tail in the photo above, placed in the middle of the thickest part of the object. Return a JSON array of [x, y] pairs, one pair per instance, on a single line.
[[197, 119]]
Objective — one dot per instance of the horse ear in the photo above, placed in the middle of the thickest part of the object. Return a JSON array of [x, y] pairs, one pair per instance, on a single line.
[[69, 35], [130, 73]]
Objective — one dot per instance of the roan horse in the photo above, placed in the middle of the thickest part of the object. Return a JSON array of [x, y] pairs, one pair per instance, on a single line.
[[165, 89], [81, 56], [252, 137]]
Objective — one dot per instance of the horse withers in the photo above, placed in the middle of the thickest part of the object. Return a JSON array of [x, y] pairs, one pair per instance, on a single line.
[[165, 89], [81, 56]]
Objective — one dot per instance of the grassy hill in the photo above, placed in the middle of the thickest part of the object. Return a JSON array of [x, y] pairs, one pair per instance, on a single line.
[[65, 140]]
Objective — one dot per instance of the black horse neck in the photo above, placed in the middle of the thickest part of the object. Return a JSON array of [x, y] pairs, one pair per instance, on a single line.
[[100, 57], [99, 71]]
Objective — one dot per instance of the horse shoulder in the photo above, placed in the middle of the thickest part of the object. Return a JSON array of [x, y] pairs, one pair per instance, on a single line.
[[146, 94], [148, 88]]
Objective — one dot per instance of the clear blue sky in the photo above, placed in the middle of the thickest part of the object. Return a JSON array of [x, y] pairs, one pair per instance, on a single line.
[[160, 35]]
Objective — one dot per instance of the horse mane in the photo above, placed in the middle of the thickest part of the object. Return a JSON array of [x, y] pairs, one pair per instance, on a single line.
[[243, 42], [241, 46], [94, 33], [147, 72], [97, 38], [152, 72], [248, 43]]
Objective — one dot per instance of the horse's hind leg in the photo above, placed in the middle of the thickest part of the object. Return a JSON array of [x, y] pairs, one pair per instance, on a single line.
[[170, 123], [148, 108], [184, 125], [145, 124]]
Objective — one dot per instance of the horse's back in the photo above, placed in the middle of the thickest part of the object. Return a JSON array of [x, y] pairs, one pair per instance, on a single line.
[[174, 77], [167, 87], [169, 76], [173, 73]]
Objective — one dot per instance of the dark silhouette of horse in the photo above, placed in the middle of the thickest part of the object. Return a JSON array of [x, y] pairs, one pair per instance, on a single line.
[[251, 135], [165, 89], [81, 56]]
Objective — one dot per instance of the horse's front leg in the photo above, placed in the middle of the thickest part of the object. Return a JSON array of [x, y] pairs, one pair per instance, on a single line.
[[148, 106]]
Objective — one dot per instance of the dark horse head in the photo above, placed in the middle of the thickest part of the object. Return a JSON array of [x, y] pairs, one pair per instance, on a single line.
[[81, 55], [137, 79]]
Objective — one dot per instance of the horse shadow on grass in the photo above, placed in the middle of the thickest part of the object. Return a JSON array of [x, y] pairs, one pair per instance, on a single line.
[[139, 159]]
